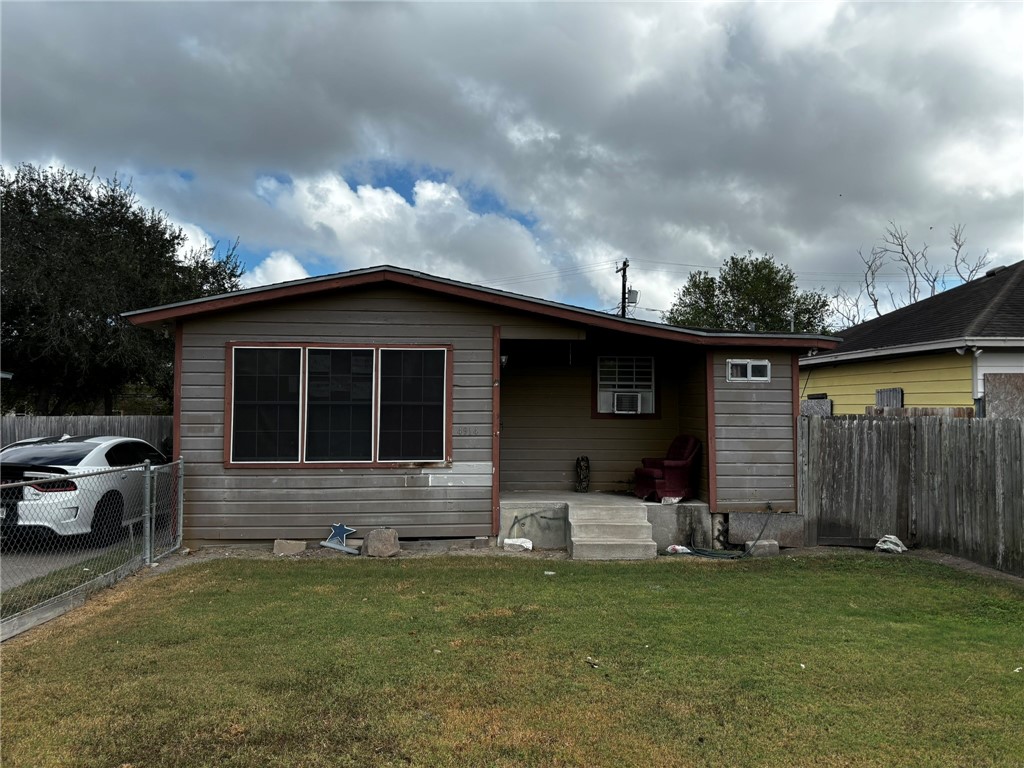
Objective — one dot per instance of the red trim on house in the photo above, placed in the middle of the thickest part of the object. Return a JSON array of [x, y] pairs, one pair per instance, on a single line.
[[496, 430], [510, 301], [179, 346], [795, 367], [712, 452], [229, 357]]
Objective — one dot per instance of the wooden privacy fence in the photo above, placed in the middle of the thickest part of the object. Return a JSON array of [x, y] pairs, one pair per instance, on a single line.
[[956, 485], [155, 430]]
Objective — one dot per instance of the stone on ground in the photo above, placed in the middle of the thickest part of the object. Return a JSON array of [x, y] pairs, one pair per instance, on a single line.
[[288, 547], [381, 542]]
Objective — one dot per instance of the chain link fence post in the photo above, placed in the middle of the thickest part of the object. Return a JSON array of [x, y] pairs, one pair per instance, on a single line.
[[147, 513], [181, 500]]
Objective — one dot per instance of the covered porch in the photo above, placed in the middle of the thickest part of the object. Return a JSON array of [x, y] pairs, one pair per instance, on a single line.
[[611, 397]]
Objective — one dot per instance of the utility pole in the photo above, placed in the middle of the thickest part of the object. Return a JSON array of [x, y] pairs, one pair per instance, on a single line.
[[622, 269]]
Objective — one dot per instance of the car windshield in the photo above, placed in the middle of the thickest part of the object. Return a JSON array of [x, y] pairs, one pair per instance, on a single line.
[[49, 454]]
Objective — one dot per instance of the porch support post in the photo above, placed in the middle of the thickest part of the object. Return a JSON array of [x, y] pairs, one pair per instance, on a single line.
[[709, 387], [495, 429]]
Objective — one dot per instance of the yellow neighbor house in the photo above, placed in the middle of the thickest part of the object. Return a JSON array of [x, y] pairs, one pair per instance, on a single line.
[[934, 353]]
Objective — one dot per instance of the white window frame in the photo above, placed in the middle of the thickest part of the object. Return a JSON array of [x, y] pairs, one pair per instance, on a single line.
[[747, 367], [607, 389]]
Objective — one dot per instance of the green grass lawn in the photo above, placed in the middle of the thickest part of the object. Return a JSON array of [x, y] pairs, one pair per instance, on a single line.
[[831, 661]]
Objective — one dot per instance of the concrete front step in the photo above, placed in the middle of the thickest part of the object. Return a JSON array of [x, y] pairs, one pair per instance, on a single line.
[[607, 514], [613, 549], [610, 532], [597, 529]]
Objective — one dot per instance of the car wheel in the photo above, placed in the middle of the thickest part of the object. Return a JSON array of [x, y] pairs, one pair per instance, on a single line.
[[108, 519]]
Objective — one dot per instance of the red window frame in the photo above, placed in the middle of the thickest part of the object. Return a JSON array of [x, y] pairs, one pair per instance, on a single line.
[[304, 347]]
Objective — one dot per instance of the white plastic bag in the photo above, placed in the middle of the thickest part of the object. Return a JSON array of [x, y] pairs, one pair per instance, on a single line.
[[890, 543], [517, 545], [678, 549]]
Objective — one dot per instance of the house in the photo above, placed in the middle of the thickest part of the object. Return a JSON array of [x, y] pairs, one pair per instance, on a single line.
[[934, 353], [388, 397]]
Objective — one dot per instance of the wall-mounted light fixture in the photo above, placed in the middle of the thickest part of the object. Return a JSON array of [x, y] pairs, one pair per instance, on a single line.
[[504, 360]]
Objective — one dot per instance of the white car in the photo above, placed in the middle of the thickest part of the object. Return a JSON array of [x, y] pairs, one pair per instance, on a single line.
[[66, 504]]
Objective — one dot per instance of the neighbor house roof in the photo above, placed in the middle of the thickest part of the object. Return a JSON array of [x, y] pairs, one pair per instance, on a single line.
[[312, 286], [988, 311]]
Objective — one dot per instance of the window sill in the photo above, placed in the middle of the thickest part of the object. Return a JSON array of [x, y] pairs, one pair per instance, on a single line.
[[340, 465]]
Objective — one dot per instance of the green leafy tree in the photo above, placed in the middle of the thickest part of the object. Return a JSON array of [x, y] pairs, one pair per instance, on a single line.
[[750, 293], [76, 252]]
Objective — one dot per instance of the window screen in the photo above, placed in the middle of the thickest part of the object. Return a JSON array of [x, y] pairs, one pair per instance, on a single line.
[[412, 405], [339, 418], [265, 421]]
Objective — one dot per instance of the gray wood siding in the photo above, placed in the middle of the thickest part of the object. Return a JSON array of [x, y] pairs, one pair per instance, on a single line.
[[260, 504], [754, 428], [547, 418]]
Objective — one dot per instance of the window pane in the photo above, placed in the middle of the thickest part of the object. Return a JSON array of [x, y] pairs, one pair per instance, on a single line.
[[412, 405], [624, 374], [340, 387], [265, 401], [737, 370], [759, 370]]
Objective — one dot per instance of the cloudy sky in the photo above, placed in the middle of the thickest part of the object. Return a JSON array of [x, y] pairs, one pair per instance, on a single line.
[[532, 147]]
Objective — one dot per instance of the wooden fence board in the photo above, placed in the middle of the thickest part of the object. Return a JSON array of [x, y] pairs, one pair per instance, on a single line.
[[956, 485]]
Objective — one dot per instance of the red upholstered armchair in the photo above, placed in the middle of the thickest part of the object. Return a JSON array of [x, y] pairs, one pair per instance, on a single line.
[[675, 476]]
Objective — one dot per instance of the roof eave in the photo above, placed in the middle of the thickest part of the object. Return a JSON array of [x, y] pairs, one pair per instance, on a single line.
[[945, 345], [171, 313]]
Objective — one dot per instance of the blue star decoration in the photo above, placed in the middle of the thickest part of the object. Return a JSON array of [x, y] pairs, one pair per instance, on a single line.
[[340, 531]]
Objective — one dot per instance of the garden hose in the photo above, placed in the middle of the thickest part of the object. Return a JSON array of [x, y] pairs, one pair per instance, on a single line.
[[719, 554]]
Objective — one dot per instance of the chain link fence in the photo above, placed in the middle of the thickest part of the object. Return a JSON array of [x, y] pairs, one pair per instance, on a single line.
[[64, 536]]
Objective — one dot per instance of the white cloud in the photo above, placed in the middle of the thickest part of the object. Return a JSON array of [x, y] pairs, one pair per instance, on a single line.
[[671, 134], [195, 239], [437, 232], [278, 267]]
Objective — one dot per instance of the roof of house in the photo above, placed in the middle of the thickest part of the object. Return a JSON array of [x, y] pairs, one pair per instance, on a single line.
[[989, 310], [265, 295]]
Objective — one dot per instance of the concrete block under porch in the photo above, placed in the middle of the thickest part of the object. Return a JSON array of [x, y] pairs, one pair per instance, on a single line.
[[602, 526]]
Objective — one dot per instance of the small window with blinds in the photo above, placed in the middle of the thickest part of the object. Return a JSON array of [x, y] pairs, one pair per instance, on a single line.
[[625, 385], [748, 370]]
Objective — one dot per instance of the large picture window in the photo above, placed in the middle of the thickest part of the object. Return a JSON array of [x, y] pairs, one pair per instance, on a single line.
[[265, 425], [625, 385], [321, 405]]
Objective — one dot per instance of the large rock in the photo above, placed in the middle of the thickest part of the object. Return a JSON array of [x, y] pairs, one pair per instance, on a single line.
[[381, 542], [287, 547]]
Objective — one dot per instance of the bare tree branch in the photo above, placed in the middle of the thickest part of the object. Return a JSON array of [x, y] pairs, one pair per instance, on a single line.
[[922, 278], [965, 269]]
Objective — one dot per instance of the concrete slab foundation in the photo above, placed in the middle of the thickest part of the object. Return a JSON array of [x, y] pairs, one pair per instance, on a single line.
[[787, 528], [542, 517]]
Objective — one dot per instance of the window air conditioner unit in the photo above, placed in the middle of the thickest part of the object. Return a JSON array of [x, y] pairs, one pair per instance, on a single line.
[[627, 402]]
